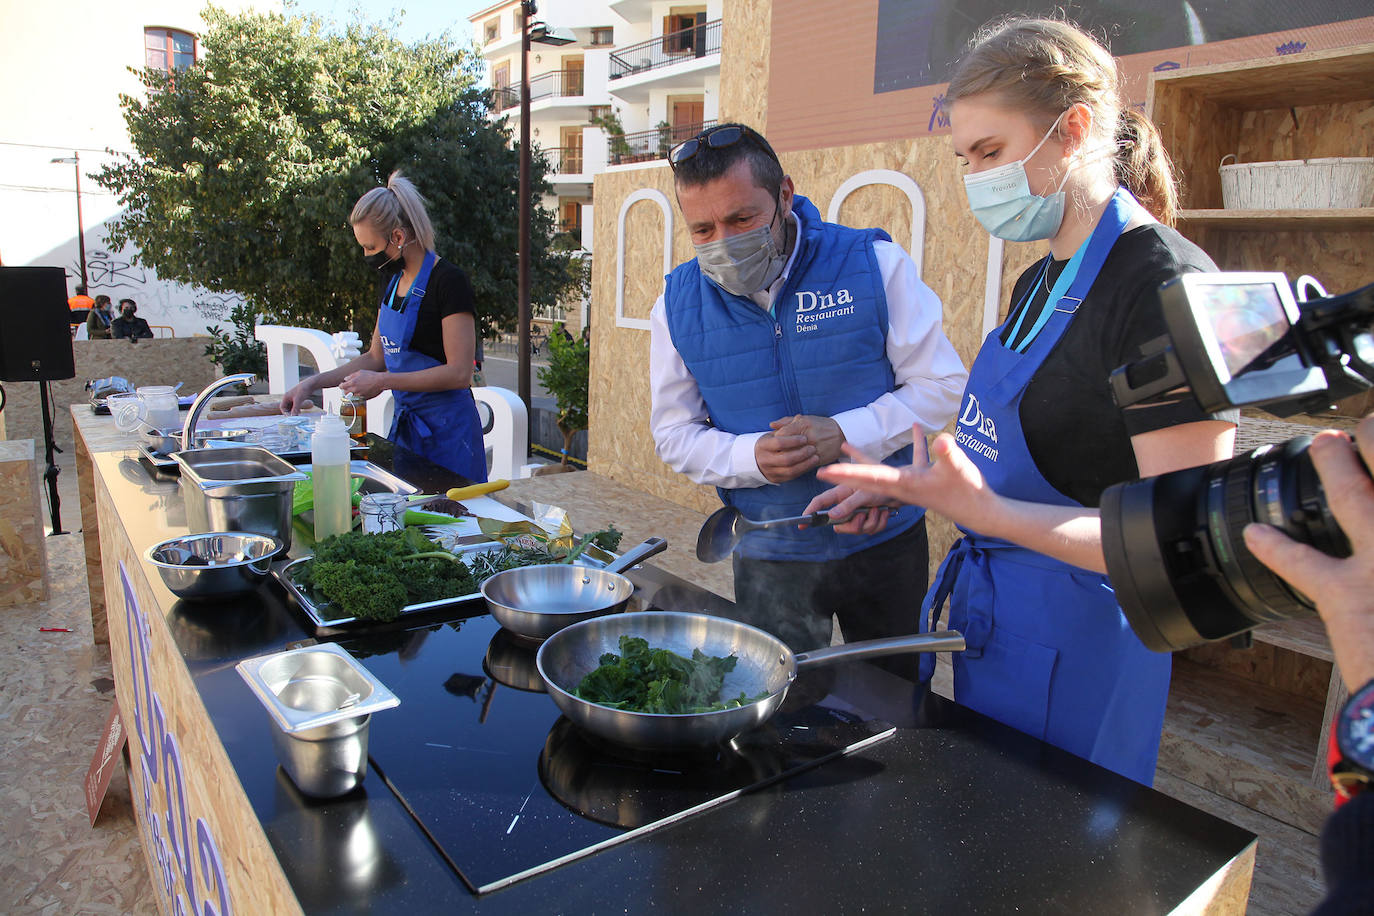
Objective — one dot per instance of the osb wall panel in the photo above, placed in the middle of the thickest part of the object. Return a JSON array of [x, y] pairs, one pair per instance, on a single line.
[[621, 446], [23, 545], [1307, 132], [746, 41], [955, 253], [163, 361], [254, 880], [1340, 260], [643, 258]]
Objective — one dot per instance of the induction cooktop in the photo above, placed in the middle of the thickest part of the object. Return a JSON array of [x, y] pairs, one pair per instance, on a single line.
[[507, 788]]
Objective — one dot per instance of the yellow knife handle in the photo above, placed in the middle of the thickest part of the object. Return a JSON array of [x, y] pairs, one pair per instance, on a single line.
[[477, 489]]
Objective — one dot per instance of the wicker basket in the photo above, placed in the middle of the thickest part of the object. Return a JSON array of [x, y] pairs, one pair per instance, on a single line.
[[1298, 184]]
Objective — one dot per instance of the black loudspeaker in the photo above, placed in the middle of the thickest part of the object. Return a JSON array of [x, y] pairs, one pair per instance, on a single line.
[[35, 336]]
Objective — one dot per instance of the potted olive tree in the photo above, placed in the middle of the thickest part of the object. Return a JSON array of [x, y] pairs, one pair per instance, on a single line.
[[566, 378]]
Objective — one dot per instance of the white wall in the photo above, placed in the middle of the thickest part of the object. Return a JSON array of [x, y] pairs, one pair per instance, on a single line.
[[49, 109]]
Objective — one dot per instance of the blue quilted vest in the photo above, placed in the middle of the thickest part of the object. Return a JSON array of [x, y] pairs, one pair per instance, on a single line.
[[822, 352]]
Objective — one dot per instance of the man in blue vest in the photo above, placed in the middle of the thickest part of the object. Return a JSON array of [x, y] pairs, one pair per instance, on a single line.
[[784, 338]]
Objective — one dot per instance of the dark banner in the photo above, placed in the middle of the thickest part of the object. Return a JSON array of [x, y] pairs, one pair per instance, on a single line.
[[918, 41]]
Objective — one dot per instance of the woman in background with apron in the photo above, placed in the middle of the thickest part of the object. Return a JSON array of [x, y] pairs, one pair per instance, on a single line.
[[424, 343], [1053, 152]]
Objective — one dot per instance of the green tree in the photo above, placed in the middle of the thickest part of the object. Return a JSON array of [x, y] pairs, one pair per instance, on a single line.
[[566, 377], [247, 164]]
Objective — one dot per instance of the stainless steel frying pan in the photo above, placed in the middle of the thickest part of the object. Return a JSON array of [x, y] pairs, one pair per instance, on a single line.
[[537, 601], [765, 665]]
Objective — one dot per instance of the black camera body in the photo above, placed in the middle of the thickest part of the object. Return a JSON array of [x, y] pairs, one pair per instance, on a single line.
[[1172, 543]]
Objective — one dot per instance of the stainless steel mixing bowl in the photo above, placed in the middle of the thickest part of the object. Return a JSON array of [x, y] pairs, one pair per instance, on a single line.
[[214, 565]]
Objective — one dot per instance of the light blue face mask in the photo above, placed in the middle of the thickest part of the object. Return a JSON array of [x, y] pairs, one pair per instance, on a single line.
[[1002, 201]]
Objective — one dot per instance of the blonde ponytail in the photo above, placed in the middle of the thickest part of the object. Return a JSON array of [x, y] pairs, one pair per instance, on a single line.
[[398, 204]]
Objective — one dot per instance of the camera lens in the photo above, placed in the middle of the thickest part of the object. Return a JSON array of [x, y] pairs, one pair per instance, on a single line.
[[1175, 554]]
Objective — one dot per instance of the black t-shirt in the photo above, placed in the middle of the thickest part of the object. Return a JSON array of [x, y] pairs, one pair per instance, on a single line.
[[1079, 439], [448, 293]]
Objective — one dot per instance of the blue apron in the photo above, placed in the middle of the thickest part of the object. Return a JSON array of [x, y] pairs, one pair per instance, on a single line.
[[1049, 651], [443, 426]]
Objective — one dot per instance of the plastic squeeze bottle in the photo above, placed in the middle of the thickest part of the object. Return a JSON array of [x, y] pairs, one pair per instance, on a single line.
[[330, 474]]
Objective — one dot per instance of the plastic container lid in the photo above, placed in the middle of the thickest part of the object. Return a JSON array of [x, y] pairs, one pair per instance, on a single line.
[[331, 426]]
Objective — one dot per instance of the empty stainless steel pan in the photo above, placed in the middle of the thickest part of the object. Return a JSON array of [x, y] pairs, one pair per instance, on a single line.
[[538, 601], [765, 666]]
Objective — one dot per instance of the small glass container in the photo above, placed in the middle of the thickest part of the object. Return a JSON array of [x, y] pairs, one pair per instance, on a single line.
[[160, 408], [383, 512], [296, 431], [353, 411], [125, 408]]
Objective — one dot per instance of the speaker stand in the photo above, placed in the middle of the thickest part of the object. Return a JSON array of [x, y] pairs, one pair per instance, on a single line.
[[51, 471]]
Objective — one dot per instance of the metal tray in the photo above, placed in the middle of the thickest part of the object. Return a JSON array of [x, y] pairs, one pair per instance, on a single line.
[[164, 462], [324, 615], [101, 409]]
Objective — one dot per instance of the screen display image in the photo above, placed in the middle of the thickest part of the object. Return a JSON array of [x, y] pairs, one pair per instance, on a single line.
[[1246, 320]]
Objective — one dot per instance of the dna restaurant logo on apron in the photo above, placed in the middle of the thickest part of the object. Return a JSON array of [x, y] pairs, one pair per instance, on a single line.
[[814, 307], [977, 433]]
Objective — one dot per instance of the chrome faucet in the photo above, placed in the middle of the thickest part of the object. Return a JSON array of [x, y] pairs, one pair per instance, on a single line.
[[188, 432]]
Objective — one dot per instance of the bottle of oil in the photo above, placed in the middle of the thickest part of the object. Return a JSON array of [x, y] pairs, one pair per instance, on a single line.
[[329, 473]]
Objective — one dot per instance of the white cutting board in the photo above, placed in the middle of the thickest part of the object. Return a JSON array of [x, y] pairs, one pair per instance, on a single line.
[[483, 507]]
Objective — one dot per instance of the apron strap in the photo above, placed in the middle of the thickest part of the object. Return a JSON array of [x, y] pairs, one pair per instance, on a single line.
[[1068, 293], [408, 418]]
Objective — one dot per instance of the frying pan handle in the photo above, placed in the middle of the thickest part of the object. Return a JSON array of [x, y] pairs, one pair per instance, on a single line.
[[942, 641], [637, 554]]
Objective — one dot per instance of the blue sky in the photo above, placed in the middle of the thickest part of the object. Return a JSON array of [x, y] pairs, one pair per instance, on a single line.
[[421, 17]]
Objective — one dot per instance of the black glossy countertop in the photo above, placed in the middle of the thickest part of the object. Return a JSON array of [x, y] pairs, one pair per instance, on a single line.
[[953, 812]]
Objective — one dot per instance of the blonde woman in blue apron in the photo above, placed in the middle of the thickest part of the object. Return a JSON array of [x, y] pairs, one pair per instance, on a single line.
[[422, 348], [1052, 152]]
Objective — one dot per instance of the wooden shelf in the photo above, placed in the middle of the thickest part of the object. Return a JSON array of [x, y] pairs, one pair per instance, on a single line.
[[1244, 741], [1305, 637], [1349, 220], [1313, 78]]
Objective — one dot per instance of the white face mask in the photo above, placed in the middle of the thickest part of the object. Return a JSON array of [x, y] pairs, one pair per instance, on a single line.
[[746, 263], [1002, 200]]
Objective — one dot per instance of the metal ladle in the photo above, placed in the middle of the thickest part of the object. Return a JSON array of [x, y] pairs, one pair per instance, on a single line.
[[727, 526]]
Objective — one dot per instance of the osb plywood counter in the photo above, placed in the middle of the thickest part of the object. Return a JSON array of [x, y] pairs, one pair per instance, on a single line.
[[950, 808]]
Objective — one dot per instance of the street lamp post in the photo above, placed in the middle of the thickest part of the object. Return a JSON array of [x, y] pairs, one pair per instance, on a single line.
[[543, 35], [75, 160], [527, 9]]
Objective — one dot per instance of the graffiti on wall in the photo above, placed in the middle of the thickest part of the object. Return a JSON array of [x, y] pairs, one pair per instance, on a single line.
[[186, 309]]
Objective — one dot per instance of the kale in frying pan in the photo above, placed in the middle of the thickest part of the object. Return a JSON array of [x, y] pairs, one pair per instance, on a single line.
[[641, 679]]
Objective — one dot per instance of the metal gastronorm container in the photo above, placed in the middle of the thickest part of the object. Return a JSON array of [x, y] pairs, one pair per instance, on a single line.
[[238, 489]]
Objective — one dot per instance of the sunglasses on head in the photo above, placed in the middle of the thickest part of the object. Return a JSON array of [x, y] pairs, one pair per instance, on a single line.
[[717, 138]]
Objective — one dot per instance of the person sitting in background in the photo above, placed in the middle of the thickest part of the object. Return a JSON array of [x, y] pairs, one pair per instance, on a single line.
[[99, 320], [128, 324], [1343, 590]]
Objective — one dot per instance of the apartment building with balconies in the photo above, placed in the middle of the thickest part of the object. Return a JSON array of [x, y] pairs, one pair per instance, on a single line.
[[641, 76]]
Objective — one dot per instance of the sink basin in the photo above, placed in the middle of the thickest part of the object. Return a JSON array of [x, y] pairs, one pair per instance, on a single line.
[[238, 489], [376, 479]]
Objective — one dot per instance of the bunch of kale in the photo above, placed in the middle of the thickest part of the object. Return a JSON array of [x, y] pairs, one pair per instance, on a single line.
[[641, 679], [373, 576]]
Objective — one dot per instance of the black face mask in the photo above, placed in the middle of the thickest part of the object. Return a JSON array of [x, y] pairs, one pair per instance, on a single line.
[[387, 265]]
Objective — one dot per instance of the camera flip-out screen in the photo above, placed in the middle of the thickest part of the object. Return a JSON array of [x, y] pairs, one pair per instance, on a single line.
[[1246, 319], [1233, 336]]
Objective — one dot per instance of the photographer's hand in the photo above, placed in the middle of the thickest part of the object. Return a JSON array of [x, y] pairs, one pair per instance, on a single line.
[[1342, 589]]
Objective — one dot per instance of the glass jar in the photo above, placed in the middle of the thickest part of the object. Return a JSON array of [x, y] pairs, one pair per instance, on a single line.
[[383, 512], [353, 411], [160, 408]]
